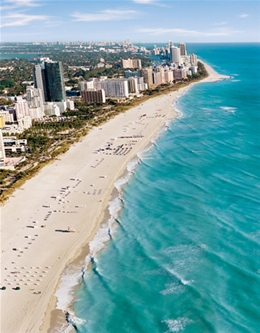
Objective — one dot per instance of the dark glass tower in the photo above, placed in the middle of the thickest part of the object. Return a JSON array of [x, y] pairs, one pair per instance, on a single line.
[[50, 78], [54, 81]]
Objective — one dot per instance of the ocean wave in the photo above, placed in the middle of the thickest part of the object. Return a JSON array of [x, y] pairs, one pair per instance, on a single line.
[[188, 249], [143, 152], [177, 325]]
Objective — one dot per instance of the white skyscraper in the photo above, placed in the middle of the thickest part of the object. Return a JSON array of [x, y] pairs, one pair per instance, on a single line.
[[175, 55]]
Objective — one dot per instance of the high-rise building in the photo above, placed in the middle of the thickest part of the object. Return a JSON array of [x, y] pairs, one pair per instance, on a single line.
[[93, 96], [115, 88], [193, 59], [175, 55], [54, 81], [35, 102], [39, 79], [148, 76], [22, 110], [179, 74], [168, 75], [182, 47], [133, 85], [49, 78]]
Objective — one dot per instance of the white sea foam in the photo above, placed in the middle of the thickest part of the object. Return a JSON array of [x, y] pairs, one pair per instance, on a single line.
[[143, 152], [99, 240], [69, 280], [228, 108], [177, 325], [173, 288], [186, 282], [179, 113]]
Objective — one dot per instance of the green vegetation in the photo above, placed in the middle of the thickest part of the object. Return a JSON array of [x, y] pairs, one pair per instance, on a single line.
[[201, 73]]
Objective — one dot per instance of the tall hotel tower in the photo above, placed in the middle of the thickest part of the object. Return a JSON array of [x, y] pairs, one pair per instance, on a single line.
[[182, 47], [49, 77], [175, 55]]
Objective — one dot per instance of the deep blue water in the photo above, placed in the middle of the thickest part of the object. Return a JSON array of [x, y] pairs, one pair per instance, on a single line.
[[186, 256]]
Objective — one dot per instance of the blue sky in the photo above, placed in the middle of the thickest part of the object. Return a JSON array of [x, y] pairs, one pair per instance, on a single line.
[[137, 20]]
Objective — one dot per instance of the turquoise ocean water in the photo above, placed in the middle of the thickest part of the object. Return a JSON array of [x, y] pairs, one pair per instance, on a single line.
[[185, 256], [8, 56]]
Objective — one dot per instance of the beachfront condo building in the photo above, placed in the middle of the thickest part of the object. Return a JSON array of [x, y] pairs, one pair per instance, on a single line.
[[93, 96], [115, 88], [193, 59], [179, 74], [133, 85], [49, 77], [175, 55], [147, 74], [168, 75]]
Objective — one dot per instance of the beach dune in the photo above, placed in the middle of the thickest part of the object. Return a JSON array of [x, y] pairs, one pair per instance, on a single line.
[[47, 221]]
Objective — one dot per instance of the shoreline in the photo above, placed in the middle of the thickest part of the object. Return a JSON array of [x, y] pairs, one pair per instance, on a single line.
[[73, 191]]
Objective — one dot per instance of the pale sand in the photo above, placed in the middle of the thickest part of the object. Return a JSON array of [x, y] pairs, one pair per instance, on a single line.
[[42, 254]]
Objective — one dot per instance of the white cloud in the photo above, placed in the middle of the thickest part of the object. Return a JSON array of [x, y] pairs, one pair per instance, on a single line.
[[150, 2], [243, 15], [221, 23], [144, 2], [22, 3], [189, 33], [15, 20], [105, 15]]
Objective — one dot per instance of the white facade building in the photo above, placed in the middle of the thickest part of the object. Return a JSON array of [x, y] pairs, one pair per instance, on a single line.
[[175, 55], [115, 88], [35, 102], [22, 109], [70, 104], [51, 109]]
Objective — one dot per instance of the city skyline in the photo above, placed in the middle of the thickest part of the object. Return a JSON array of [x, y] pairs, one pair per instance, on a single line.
[[141, 21]]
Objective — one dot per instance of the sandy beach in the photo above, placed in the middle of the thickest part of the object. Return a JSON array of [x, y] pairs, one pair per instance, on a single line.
[[46, 222]]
